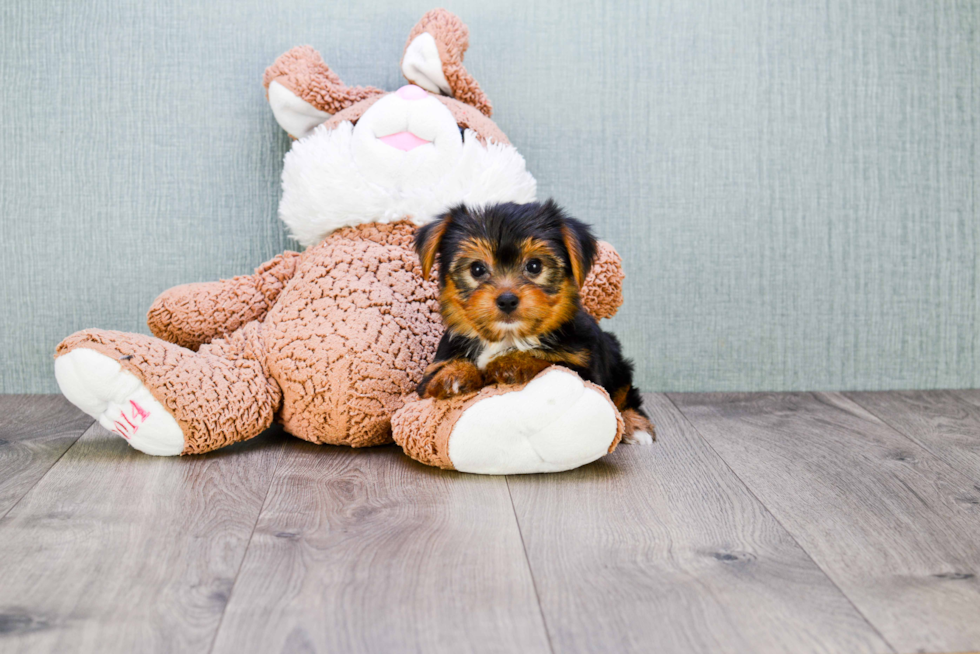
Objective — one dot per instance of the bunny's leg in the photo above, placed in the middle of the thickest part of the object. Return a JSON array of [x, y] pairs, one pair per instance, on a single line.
[[165, 399]]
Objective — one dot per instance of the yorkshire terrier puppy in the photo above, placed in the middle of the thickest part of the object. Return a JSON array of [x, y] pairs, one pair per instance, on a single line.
[[509, 277]]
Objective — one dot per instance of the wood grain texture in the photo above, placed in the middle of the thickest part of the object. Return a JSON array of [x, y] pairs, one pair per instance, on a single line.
[[35, 430], [117, 551], [892, 525], [662, 549], [971, 396], [942, 422], [366, 551]]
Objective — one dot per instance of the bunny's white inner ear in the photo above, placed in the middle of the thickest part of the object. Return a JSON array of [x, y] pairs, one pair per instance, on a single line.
[[294, 115], [421, 65]]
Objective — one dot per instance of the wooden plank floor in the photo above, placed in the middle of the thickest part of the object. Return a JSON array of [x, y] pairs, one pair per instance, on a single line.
[[758, 523]]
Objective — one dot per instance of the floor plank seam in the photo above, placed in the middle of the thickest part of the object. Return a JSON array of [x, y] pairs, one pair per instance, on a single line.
[[789, 533], [258, 516], [913, 439], [530, 570], [50, 468]]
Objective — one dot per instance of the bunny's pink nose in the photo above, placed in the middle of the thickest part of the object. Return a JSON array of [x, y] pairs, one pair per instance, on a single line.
[[411, 92]]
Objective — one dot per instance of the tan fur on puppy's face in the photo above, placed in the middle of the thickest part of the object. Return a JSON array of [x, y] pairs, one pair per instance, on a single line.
[[479, 275]]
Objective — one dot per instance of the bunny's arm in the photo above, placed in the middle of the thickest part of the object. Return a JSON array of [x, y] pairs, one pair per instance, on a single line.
[[193, 314], [602, 292]]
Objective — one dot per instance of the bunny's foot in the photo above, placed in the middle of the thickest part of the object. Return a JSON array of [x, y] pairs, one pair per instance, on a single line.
[[98, 385], [555, 422]]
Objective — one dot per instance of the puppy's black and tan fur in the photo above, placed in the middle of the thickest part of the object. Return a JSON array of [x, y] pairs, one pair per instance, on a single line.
[[509, 290]]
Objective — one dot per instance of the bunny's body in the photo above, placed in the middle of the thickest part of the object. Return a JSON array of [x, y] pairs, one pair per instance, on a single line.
[[332, 342]]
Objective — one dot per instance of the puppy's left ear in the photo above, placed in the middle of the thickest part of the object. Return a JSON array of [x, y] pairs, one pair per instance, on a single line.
[[433, 59], [428, 239], [581, 245]]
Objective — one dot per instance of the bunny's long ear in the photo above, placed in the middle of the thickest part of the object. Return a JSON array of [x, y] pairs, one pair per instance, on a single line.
[[304, 92], [433, 59]]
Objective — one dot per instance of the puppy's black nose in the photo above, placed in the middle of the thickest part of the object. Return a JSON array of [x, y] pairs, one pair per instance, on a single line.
[[507, 302]]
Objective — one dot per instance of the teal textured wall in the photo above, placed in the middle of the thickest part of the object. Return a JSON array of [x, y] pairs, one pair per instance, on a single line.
[[792, 185]]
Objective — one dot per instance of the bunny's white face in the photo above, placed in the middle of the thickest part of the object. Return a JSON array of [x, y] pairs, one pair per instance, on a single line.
[[405, 158], [366, 156], [406, 140]]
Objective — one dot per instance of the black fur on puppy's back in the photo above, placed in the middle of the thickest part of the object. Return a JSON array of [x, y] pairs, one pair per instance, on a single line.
[[606, 365]]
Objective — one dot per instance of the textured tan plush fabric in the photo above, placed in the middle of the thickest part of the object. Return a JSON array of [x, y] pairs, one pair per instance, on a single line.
[[352, 334], [422, 428], [193, 314], [602, 292], [303, 72]]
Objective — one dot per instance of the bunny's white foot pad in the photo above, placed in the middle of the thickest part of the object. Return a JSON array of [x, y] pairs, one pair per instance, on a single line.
[[99, 386], [554, 423]]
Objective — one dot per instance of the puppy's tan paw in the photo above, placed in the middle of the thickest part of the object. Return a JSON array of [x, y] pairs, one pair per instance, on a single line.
[[515, 368], [637, 429], [454, 378]]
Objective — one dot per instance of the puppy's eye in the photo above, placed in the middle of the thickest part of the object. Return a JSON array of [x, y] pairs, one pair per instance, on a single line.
[[478, 269], [533, 267]]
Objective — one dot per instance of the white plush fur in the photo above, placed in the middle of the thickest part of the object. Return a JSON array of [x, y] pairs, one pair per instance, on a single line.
[[554, 423], [346, 176]]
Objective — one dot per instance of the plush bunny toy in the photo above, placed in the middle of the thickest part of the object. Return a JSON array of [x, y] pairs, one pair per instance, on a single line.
[[331, 342]]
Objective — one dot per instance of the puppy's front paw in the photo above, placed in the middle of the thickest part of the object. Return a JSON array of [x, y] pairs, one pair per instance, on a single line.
[[454, 378], [515, 368], [638, 428]]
